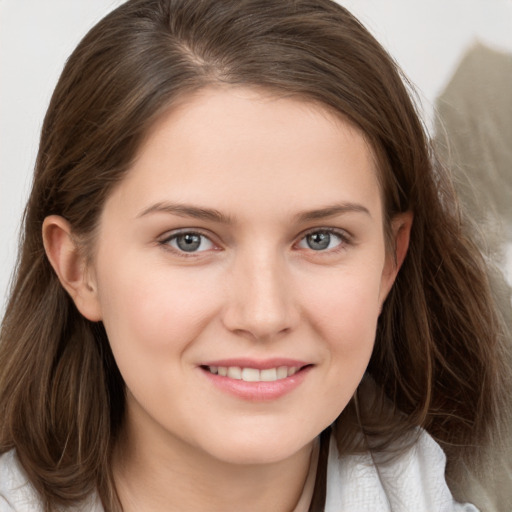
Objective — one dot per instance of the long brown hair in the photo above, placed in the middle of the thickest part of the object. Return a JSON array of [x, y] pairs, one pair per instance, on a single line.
[[439, 351]]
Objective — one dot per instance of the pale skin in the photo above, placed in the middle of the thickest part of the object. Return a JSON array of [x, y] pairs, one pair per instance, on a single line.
[[286, 258]]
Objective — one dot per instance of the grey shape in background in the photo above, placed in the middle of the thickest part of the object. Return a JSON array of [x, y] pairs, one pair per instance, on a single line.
[[474, 138]]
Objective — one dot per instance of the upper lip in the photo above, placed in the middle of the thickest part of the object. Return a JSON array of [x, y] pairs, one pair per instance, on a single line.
[[259, 364]]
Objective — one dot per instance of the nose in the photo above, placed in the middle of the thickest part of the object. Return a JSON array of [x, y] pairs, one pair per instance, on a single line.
[[261, 301]]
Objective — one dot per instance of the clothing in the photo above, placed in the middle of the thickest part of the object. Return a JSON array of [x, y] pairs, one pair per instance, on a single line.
[[18, 495], [412, 482]]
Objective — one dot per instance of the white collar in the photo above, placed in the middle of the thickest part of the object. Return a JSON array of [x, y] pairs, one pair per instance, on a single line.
[[414, 480]]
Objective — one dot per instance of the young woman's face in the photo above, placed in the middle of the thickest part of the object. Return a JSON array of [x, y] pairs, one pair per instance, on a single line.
[[239, 271]]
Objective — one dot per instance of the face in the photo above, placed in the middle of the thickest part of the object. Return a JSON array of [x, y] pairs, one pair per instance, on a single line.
[[239, 271]]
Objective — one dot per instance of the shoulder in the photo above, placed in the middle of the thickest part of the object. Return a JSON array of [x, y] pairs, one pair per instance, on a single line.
[[16, 493], [413, 480]]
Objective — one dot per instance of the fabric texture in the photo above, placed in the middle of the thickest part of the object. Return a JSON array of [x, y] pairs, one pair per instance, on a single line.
[[414, 481], [18, 495]]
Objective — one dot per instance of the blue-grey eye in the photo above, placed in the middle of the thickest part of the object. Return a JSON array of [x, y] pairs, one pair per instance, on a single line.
[[320, 240], [190, 242]]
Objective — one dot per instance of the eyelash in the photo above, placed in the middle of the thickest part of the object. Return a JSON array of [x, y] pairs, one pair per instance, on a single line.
[[342, 235], [166, 242]]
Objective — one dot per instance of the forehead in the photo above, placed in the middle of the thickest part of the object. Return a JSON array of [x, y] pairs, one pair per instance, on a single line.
[[249, 146]]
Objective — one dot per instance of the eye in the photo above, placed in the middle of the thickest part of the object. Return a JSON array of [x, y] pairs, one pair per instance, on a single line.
[[189, 242], [322, 240]]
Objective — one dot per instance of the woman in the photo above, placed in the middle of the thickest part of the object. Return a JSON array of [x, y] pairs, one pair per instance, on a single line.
[[240, 261]]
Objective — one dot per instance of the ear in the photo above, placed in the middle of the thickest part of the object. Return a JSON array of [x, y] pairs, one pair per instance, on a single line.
[[401, 226], [70, 266]]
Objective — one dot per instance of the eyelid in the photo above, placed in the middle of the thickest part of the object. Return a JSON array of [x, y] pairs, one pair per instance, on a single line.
[[164, 240], [345, 237]]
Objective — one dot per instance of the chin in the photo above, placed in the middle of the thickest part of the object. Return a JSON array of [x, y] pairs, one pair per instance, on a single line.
[[256, 448]]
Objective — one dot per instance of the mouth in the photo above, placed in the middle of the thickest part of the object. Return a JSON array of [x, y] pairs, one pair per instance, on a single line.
[[256, 381], [248, 374]]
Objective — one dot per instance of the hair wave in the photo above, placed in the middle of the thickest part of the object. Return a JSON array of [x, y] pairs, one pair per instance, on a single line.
[[439, 357]]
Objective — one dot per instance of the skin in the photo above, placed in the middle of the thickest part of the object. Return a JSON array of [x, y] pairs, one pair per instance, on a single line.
[[255, 288]]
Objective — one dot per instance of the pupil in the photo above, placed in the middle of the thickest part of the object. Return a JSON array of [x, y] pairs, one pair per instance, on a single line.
[[188, 242], [318, 241]]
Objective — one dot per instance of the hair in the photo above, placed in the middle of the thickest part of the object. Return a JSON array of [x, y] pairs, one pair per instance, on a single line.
[[439, 350]]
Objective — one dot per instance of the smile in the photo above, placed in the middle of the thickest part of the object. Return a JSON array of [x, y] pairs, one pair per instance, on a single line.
[[253, 374], [258, 381]]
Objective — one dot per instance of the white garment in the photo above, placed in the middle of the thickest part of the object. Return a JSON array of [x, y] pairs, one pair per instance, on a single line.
[[18, 495], [412, 482]]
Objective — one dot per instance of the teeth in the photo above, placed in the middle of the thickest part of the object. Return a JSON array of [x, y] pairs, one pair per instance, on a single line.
[[282, 372], [253, 374], [269, 375], [234, 372], [250, 375]]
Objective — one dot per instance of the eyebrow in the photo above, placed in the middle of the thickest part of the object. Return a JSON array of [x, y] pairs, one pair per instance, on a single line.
[[331, 211], [211, 214], [185, 210]]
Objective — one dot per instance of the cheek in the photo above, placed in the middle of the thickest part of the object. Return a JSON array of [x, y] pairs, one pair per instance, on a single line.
[[345, 317], [345, 310], [153, 308], [152, 319]]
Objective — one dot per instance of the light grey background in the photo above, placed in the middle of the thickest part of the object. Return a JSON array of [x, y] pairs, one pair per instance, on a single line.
[[427, 38]]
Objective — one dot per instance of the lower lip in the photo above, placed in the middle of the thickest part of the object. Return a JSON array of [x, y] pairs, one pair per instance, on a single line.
[[258, 391]]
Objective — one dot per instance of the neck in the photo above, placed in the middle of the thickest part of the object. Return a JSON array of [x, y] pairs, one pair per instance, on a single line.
[[158, 474]]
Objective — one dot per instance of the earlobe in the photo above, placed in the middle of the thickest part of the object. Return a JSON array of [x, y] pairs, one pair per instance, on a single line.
[[401, 232], [70, 266]]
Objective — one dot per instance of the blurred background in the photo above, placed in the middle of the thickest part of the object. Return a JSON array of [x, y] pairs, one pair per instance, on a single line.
[[458, 53]]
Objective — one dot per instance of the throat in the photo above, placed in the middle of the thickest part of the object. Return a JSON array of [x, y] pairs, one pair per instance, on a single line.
[[171, 484]]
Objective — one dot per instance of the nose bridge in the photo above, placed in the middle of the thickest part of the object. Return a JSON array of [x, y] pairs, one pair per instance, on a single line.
[[261, 302]]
